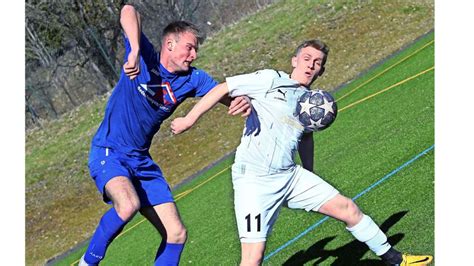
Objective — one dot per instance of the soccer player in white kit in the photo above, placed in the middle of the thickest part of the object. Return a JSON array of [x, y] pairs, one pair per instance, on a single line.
[[265, 175]]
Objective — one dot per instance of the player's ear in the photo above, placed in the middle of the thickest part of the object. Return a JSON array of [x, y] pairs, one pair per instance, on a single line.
[[294, 61], [170, 44]]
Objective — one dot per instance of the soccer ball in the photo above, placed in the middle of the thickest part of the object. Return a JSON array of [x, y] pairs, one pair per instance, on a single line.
[[316, 110]]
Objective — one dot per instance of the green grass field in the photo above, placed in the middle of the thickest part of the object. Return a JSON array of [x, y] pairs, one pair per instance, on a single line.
[[386, 118], [62, 204]]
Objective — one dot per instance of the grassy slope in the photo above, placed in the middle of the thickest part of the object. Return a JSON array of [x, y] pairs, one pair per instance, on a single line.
[[62, 205]]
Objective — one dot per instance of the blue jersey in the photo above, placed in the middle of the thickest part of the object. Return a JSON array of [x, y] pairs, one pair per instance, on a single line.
[[137, 107]]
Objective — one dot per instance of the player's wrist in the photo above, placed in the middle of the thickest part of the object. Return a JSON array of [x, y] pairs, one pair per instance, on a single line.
[[191, 119], [135, 51]]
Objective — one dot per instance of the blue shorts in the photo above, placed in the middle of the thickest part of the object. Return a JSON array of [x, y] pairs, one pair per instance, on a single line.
[[143, 172]]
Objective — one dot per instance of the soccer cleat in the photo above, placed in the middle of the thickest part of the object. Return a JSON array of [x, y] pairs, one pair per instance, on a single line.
[[414, 260]]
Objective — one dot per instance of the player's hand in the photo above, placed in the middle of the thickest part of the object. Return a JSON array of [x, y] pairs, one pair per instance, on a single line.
[[132, 66], [240, 105], [180, 124]]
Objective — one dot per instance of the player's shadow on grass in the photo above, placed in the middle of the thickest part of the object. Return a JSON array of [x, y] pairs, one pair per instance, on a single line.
[[349, 254]]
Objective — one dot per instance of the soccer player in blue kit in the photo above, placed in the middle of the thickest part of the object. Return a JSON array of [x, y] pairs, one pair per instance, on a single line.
[[265, 175], [150, 88]]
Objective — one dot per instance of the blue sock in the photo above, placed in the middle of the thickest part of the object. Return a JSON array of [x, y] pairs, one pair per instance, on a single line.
[[168, 254], [109, 227]]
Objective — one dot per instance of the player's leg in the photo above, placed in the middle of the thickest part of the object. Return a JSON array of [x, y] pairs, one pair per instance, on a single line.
[[159, 208], [361, 226], [252, 253], [342, 209], [364, 229], [165, 217], [257, 202], [312, 193], [111, 180], [125, 204]]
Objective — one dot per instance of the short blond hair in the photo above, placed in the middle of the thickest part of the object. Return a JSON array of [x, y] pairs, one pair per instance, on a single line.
[[181, 26]]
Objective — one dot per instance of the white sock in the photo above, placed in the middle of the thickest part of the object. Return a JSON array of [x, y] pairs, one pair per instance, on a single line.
[[368, 232], [82, 262]]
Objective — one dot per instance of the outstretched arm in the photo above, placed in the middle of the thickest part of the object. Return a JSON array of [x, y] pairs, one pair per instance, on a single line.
[[306, 151], [182, 124], [130, 22]]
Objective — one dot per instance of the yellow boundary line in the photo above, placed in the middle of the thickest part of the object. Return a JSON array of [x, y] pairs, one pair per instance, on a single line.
[[379, 74], [386, 89], [186, 192]]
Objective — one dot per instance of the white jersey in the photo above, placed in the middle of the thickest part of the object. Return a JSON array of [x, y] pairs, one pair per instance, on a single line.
[[274, 97], [264, 175]]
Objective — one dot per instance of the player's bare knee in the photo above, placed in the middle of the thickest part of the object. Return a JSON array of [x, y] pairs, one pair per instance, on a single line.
[[126, 210], [177, 235], [252, 255], [253, 260], [354, 215], [181, 235], [257, 260]]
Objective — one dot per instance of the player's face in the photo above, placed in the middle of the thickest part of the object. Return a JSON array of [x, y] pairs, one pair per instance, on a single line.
[[183, 51], [307, 65]]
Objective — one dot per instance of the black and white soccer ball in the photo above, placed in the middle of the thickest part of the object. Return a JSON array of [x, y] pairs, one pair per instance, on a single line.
[[316, 110]]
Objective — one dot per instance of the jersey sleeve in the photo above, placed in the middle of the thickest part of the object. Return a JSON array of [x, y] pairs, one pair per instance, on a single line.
[[250, 84], [203, 82], [147, 51]]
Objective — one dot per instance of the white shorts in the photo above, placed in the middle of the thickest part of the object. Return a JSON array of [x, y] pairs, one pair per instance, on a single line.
[[258, 198]]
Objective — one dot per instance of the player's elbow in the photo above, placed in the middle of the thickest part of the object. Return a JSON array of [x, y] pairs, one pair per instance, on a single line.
[[221, 89], [127, 10]]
